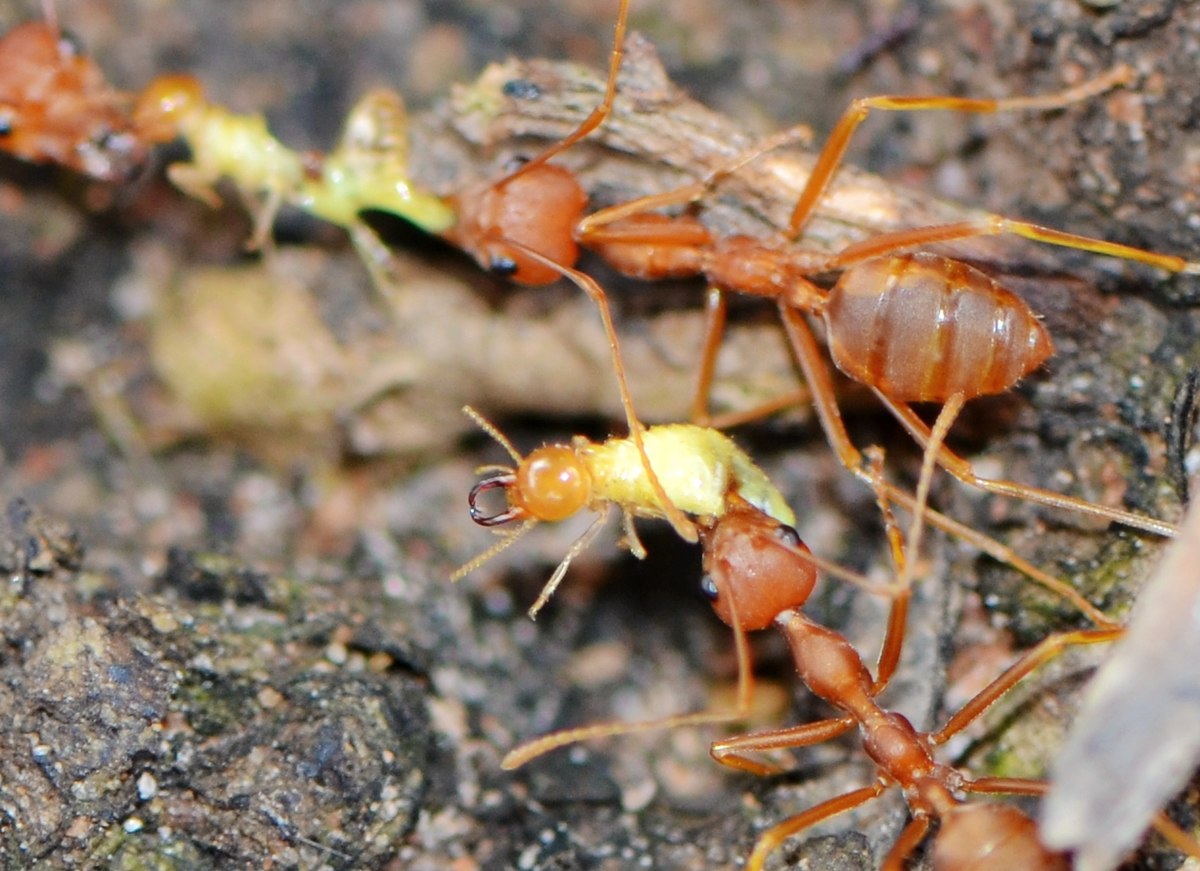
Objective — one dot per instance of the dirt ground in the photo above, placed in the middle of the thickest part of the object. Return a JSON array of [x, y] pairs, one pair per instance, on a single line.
[[234, 484]]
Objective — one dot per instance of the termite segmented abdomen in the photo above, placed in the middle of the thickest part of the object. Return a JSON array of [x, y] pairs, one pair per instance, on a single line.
[[922, 327]]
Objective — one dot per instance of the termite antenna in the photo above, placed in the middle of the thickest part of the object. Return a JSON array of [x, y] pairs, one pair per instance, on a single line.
[[488, 427]]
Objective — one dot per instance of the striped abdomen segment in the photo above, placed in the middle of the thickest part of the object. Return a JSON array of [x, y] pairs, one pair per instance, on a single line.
[[922, 327]]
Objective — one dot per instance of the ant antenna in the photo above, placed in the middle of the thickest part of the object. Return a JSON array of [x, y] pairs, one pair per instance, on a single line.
[[50, 13]]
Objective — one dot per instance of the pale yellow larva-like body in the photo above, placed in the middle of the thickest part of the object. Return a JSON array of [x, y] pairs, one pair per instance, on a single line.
[[698, 468]]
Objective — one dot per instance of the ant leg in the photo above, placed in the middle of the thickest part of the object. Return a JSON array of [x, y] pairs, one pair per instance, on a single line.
[[816, 373], [910, 837], [596, 117], [963, 470], [1043, 652], [714, 329], [1160, 822], [530, 750], [591, 229], [732, 751], [769, 840], [995, 225], [897, 624], [1175, 836], [831, 155]]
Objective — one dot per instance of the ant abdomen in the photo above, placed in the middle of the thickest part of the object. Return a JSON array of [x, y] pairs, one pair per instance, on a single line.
[[922, 327], [979, 837]]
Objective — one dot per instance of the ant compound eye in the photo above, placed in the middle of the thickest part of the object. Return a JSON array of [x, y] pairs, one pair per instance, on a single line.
[[502, 265], [6, 124], [515, 162], [708, 588], [787, 535], [521, 89], [69, 45]]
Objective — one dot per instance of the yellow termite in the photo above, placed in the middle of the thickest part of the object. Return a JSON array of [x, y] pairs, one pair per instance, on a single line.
[[367, 170], [698, 468]]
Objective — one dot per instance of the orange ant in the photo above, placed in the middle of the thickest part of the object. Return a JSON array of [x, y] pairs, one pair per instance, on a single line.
[[57, 107], [915, 327], [756, 580]]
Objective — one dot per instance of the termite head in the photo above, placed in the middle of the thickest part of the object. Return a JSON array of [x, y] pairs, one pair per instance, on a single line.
[[165, 104], [550, 484], [754, 567]]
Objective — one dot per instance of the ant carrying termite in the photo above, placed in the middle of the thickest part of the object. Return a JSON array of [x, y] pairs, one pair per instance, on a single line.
[[755, 580], [915, 327], [57, 107], [758, 573], [723, 491]]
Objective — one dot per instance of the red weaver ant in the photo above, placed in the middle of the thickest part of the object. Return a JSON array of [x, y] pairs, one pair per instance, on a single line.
[[759, 573], [57, 107], [756, 580]]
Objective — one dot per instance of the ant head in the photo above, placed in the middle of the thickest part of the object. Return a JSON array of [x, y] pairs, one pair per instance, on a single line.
[[754, 567], [163, 105], [535, 211]]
